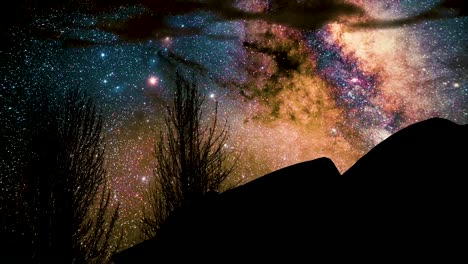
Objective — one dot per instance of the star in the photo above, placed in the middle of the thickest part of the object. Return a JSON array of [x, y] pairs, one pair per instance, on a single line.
[[153, 80]]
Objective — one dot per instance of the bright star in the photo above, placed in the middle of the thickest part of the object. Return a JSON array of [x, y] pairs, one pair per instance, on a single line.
[[153, 80]]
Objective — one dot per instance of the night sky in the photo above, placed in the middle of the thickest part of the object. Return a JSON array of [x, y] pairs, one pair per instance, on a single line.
[[295, 80]]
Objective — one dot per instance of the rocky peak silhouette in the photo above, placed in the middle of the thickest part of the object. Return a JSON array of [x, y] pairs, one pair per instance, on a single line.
[[404, 199]]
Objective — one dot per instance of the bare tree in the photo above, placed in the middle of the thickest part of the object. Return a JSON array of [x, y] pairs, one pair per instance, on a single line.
[[191, 158], [80, 133], [66, 195]]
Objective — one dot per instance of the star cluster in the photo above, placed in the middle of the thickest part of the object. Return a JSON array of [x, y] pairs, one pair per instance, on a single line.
[[290, 92]]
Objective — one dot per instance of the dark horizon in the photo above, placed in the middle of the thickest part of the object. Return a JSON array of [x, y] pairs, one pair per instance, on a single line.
[[401, 200]]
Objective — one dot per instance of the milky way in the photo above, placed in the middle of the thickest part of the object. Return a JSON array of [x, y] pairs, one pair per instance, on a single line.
[[290, 93]]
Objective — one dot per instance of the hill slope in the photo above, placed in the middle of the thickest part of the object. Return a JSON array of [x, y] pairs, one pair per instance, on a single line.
[[405, 198]]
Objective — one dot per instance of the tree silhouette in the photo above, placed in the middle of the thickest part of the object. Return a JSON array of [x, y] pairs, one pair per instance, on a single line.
[[191, 158], [67, 214]]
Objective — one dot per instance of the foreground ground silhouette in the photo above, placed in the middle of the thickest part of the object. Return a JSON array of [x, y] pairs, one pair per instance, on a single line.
[[405, 199]]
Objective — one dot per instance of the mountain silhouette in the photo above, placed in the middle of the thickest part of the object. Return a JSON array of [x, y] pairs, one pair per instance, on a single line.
[[404, 199]]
